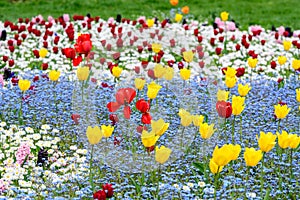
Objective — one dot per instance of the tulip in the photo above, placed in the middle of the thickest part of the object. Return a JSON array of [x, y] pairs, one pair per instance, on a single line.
[[178, 17], [224, 109], [222, 95], [298, 94], [230, 81], [159, 127], [174, 2], [169, 73], [150, 22], [159, 71], [43, 52], [24, 85], [221, 156], [281, 111], [162, 154], [185, 10], [116, 71], [235, 151], [198, 120], [188, 56], [83, 73], [107, 130], [230, 72], [282, 60], [243, 89], [296, 64], [252, 156], [156, 47], [224, 16], [206, 131], [186, 117], [287, 45], [185, 73], [149, 139], [54, 75], [252, 62], [266, 141], [153, 90], [214, 168], [139, 83], [294, 141], [94, 135], [237, 104]]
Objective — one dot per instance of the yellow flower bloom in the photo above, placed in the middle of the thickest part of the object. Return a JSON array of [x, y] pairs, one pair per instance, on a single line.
[[139, 83], [214, 168], [298, 94], [116, 71], [266, 141], [284, 139], [222, 95], [243, 89], [185, 73], [169, 73], [198, 119], [153, 90], [159, 71], [281, 111], [206, 131], [156, 47], [54, 75], [107, 130], [237, 105], [24, 85], [162, 154], [43, 52], [235, 150], [83, 73], [188, 56], [221, 156], [252, 157], [186, 119], [178, 17], [287, 45], [182, 112], [230, 72], [295, 140], [282, 60], [252, 62], [296, 64], [149, 139], [224, 16], [94, 135], [230, 81], [159, 127], [150, 22]]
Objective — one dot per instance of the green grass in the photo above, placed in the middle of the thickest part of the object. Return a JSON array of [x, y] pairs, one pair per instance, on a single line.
[[245, 12]]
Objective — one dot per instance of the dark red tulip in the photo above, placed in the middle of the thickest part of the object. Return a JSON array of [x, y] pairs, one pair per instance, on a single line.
[[273, 64], [108, 189], [99, 195], [224, 109], [240, 72]]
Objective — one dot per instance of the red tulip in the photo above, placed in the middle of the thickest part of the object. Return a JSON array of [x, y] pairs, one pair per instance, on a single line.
[[108, 189], [99, 195], [113, 118], [77, 61], [240, 72], [75, 118], [218, 50], [224, 109], [69, 53], [273, 64]]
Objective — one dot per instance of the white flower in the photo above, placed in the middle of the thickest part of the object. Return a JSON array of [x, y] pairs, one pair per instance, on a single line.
[[29, 130], [186, 188], [2, 124], [190, 185], [45, 127], [36, 136], [73, 147], [176, 186], [201, 184]]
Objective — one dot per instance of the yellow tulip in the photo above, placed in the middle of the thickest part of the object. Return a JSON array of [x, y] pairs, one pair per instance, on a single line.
[[139, 83], [178, 17], [24, 85], [230, 72], [295, 140], [116, 71], [54, 75], [159, 127], [298, 94], [252, 62], [287, 45], [237, 105], [235, 150], [94, 135], [182, 112], [83, 73], [221, 156], [296, 64], [206, 131], [252, 157], [266, 141], [156, 47], [230, 81], [282, 60], [186, 119], [185, 73], [198, 119], [149, 139], [243, 89], [224, 16], [222, 95], [188, 56], [153, 90], [159, 71], [169, 73], [284, 139], [214, 168], [162, 154], [107, 130], [43, 52], [150, 22], [281, 111]]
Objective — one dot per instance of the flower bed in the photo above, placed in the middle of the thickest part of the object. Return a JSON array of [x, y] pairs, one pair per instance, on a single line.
[[158, 109]]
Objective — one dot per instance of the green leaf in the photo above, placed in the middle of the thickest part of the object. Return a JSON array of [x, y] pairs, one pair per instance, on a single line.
[[200, 167], [267, 196]]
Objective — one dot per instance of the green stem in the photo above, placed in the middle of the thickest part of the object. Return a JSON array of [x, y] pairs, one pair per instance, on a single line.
[[181, 142], [291, 162], [241, 128], [262, 175], [232, 130], [91, 174], [278, 126], [82, 91], [157, 189]]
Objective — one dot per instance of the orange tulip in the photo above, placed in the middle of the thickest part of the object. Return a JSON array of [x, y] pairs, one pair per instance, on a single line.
[[185, 10]]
